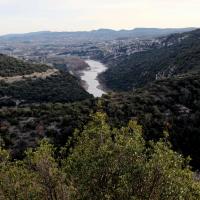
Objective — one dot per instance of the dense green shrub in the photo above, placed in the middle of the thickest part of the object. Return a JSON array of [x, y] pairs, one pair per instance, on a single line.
[[103, 164], [10, 66]]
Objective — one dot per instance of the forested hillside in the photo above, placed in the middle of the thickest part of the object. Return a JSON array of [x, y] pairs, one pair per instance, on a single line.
[[170, 105], [178, 54], [25, 126], [10, 66], [61, 87], [22, 82]]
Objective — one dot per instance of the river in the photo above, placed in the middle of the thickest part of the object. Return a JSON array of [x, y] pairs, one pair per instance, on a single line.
[[90, 75]]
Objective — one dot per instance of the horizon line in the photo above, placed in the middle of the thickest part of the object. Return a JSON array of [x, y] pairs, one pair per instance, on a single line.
[[98, 29]]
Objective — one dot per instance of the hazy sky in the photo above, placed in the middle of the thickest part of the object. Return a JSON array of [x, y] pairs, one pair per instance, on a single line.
[[71, 15]]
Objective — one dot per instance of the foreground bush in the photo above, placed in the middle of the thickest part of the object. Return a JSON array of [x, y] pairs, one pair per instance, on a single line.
[[103, 164]]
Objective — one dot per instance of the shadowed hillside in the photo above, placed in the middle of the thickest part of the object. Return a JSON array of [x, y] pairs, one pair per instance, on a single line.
[[178, 54]]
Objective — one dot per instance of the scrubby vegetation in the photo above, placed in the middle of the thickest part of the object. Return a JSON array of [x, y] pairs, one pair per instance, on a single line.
[[10, 66], [102, 164], [178, 54], [171, 104], [57, 88], [24, 127]]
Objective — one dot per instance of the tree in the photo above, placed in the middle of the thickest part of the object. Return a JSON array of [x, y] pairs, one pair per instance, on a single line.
[[116, 164], [102, 163], [50, 177], [16, 180]]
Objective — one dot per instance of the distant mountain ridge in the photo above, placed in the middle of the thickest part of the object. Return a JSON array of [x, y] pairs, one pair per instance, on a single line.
[[94, 35]]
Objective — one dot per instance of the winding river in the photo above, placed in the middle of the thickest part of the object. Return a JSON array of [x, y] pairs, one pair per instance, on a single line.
[[90, 75]]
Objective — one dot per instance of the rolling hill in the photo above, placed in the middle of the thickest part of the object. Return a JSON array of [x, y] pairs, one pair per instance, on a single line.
[[10, 66], [166, 106], [178, 54], [171, 104], [22, 82]]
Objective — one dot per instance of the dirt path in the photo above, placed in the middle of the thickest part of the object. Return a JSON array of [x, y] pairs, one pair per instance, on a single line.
[[34, 75]]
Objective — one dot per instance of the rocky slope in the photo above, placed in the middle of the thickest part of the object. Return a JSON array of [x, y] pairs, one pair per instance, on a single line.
[[177, 54]]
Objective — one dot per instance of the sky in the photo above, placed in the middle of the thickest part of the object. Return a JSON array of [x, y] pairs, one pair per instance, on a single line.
[[19, 16]]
